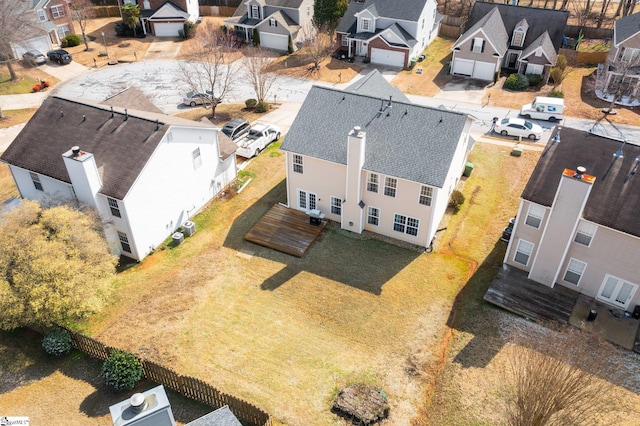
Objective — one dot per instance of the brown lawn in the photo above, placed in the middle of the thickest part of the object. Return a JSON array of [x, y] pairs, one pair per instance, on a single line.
[[224, 113], [11, 117]]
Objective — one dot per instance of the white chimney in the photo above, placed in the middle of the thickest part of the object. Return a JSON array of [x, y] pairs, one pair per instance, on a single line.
[[148, 408], [83, 173], [352, 213]]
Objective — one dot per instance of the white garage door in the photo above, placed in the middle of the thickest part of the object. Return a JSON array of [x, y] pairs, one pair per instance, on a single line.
[[274, 41], [484, 70], [463, 66], [168, 29], [534, 69], [43, 44], [392, 58]]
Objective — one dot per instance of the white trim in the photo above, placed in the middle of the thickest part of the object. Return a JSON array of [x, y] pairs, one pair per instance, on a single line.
[[566, 271], [615, 292], [529, 255]]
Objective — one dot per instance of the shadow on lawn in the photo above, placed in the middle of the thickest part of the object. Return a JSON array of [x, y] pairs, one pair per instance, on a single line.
[[337, 255]]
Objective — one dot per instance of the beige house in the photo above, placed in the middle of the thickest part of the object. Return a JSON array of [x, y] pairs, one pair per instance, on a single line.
[[375, 162], [577, 224]]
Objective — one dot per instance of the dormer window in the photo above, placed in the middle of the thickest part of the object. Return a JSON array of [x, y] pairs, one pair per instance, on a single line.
[[478, 45], [518, 37], [273, 22], [255, 13], [366, 24], [41, 15]]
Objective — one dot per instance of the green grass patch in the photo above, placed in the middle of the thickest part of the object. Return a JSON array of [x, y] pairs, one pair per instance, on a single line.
[[22, 85], [11, 117]]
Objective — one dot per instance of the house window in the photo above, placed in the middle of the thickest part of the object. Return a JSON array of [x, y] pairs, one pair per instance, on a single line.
[[307, 200], [523, 252], [254, 12], [113, 205], [426, 194], [36, 181], [535, 215], [297, 164], [373, 216], [630, 55], [372, 183], [57, 11], [197, 159], [124, 242], [616, 291], [405, 225], [63, 30], [585, 233], [574, 272], [42, 16], [518, 38], [308, 10], [366, 24], [390, 185], [478, 45], [345, 40], [273, 22], [422, 23], [336, 205]]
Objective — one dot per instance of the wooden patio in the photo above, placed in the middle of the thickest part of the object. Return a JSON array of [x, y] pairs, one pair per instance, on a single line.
[[286, 230], [513, 291]]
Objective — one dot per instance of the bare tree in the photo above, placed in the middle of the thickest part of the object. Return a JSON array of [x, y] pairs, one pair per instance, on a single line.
[[560, 379], [620, 84], [317, 46], [256, 74], [560, 71], [17, 24], [581, 11], [81, 11], [211, 66]]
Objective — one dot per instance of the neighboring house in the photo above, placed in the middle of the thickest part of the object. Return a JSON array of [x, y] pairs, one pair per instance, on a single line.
[[276, 21], [519, 39], [580, 228], [622, 76], [373, 162], [55, 20], [145, 173], [166, 18], [388, 32]]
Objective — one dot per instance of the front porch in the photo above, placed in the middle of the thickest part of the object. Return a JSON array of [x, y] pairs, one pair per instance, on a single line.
[[513, 291]]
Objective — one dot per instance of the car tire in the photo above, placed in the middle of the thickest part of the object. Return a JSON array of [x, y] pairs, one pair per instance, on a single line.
[[192, 103], [504, 133], [552, 119], [277, 136], [527, 116], [256, 152], [533, 137]]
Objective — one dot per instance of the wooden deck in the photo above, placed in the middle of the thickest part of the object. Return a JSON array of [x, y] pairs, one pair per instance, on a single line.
[[286, 230], [513, 291]]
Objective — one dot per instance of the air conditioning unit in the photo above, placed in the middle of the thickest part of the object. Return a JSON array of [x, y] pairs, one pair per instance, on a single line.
[[178, 238], [189, 228]]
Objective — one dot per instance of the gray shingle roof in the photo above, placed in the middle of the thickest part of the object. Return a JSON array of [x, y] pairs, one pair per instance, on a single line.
[[348, 21], [547, 47], [132, 98], [121, 148], [493, 27], [539, 20], [292, 4], [406, 10], [408, 141], [221, 417], [626, 27], [374, 84], [613, 202]]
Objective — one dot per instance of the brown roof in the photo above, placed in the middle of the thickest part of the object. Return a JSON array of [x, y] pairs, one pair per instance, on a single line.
[[132, 98], [121, 144], [615, 197]]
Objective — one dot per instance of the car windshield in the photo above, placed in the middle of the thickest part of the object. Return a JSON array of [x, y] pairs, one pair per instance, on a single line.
[[528, 125], [505, 121], [227, 131]]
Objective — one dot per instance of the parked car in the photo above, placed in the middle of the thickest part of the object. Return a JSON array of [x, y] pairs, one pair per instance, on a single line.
[[34, 57], [518, 127], [197, 98], [258, 138], [236, 128], [60, 56]]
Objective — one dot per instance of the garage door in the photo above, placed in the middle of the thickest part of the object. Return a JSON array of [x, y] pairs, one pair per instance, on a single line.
[[392, 58], [463, 66], [274, 41], [168, 29], [42, 44], [484, 70], [534, 69]]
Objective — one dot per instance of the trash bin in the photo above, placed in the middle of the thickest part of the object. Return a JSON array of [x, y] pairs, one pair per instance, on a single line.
[[516, 151], [592, 315], [468, 168]]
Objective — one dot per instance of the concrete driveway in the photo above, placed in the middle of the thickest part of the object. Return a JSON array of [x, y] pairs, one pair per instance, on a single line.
[[163, 48], [462, 89], [64, 72]]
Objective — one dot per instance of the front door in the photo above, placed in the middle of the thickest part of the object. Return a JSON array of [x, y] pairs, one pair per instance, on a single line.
[[616, 291], [306, 200], [512, 58]]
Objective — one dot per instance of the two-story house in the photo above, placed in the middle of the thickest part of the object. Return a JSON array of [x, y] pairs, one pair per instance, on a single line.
[[164, 18], [388, 32], [519, 39], [371, 162], [577, 225], [145, 173], [622, 74], [54, 19], [276, 22]]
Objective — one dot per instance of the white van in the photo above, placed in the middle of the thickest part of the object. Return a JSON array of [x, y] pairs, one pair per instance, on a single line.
[[544, 108]]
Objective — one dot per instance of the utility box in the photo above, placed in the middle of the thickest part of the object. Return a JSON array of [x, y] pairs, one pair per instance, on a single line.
[[516, 151], [468, 168], [178, 238]]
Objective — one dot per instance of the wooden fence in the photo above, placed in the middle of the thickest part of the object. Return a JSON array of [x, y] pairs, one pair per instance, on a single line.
[[106, 12], [451, 26], [188, 386], [575, 57], [217, 10], [597, 33]]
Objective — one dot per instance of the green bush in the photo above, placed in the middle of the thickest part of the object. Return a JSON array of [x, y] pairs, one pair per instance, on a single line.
[[122, 371], [290, 45], [456, 200], [556, 94], [534, 79], [256, 37], [71, 40], [122, 30], [57, 342], [262, 106], [189, 29], [516, 82], [251, 103]]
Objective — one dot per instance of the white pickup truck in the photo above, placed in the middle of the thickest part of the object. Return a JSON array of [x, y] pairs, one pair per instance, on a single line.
[[257, 139]]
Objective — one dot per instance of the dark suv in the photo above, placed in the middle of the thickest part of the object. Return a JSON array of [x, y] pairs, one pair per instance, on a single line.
[[236, 128], [60, 56]]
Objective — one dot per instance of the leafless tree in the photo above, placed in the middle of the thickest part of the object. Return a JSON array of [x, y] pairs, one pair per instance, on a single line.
[[317, 46], [620, 85], [17, 24], [211, 66], [255, 72], [581, 11], [560, 378], [81, 11]]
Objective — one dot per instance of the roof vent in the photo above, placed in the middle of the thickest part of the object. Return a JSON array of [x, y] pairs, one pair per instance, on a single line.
[[356, 130], [126, 114], [111, 112], [580, 171], [62, 113], [75, 151], [138, 403]]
